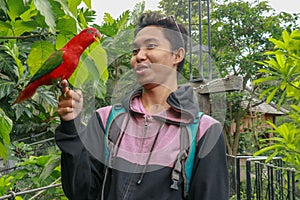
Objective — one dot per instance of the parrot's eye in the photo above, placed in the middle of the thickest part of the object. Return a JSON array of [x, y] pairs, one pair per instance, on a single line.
[[89, 31]]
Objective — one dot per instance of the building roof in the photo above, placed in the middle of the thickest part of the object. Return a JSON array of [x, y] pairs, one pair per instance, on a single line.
[[263, 107]]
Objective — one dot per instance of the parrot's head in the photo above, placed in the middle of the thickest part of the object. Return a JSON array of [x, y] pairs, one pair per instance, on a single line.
[[91, 34]]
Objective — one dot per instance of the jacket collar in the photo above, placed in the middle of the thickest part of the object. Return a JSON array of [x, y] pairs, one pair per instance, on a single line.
[[184, 105]]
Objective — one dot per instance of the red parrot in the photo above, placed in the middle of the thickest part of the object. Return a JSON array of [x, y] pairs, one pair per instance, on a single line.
[[61, 63]]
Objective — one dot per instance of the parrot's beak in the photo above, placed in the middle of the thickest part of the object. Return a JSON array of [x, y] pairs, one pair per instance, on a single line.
[[98, 36]]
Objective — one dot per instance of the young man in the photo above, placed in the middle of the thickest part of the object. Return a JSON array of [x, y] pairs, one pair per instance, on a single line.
[[146, 143]]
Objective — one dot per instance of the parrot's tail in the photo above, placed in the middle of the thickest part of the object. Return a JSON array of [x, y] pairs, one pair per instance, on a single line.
[[27, 92]]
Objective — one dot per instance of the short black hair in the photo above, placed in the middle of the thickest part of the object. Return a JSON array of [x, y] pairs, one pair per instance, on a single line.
[[175, 33]]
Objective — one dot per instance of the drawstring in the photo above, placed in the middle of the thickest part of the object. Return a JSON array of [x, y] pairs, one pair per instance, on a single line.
[[150, 154], [103, 185], [121, 136], [178, 166], [111, 156]]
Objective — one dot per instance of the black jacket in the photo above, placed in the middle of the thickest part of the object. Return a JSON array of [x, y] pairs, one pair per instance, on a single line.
[[84, 175]]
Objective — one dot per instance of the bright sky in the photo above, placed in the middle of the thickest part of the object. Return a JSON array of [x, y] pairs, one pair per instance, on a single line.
[[116, 7]]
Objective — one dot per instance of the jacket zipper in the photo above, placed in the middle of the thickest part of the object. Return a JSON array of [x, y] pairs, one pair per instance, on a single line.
[[142, 144]]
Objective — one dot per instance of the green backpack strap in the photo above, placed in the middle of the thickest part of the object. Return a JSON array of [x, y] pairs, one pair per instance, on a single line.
[[116, 110], [193, 132], [189, 157]]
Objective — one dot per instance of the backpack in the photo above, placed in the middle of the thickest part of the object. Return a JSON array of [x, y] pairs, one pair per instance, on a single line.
[[185, 159]]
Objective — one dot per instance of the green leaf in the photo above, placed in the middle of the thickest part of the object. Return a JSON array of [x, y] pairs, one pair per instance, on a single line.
[[266, 71], [282, 98], [6, 87], [3, 6], [67, 26], [21, 27], [88, 3], [295, 107], [46, 10], [280, 60], [92, 66], [269, 148], [91, 69], [122, 20], [15, 8], [5, 129], [4, 27], [82, 19], [42, 160], [271, 96], [285, 37], [278, 43], [40, 51], [49, 166], [295, 35], [270, 157], [13, 50], [265, 79], [73, 4], [65, 7], [108, 18], [61, 41], [98, 54], [30, 13]]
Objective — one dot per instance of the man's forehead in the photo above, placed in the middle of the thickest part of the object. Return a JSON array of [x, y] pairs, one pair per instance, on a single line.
[[149, 34], [145, 40]]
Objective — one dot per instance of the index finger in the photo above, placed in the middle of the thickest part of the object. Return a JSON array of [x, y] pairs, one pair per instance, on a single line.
[[64, 86]]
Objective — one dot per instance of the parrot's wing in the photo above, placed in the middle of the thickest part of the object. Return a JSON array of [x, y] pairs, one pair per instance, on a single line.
[[52, 62]]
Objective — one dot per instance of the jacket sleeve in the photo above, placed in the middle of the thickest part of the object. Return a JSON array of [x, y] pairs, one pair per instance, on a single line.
[[81, 171], [210, 173]]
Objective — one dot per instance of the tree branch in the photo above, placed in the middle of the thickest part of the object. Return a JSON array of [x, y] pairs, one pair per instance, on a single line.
[[20, 37]]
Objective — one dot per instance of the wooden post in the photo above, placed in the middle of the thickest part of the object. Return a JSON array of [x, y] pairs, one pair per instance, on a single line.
[[204, 90]]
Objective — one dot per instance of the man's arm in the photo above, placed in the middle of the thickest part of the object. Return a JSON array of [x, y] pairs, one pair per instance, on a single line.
[[81, 171], [210, 175]]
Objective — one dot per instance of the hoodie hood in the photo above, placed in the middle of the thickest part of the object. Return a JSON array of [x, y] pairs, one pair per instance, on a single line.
[[183, 103], [184, 100]]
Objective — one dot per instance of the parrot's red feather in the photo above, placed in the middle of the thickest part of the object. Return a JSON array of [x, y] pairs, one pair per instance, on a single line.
[[27, 92]]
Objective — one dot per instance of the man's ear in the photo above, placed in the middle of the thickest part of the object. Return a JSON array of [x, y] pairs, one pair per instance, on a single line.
[[179, 55]]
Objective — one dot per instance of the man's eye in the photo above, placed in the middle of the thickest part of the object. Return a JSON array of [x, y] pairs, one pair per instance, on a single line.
[[151, 46], [135, 51]]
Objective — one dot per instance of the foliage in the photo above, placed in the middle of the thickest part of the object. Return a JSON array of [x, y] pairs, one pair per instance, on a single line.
[[245, 29], [281, 73], [23, 49], [5, 127], [239, 37], [118, 34], [32, 171], [30, 31]]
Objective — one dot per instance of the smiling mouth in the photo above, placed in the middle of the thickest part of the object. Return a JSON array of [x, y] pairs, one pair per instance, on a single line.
[[140, 69]]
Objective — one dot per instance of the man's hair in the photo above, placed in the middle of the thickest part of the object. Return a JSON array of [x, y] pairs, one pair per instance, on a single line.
[[175, 33]]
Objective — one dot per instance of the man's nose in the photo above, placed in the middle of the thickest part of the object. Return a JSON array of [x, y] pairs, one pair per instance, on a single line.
[[141, 55]]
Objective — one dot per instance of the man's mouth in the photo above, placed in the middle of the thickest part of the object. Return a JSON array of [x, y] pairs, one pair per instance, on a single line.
[[140, 69]]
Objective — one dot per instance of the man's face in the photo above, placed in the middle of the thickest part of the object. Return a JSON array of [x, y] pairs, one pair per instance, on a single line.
[[153, 61]]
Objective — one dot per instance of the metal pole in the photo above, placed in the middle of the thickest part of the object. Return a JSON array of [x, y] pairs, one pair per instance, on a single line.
[[288, 183], [271, 180], [14, 194], [248, 180], [257, 181], [200, 38], [238, 179], [293, 185], [208, 41], [190, 40], [280, 179]]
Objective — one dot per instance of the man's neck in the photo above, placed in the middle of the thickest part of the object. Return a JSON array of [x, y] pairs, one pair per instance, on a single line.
[[154, 100]]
